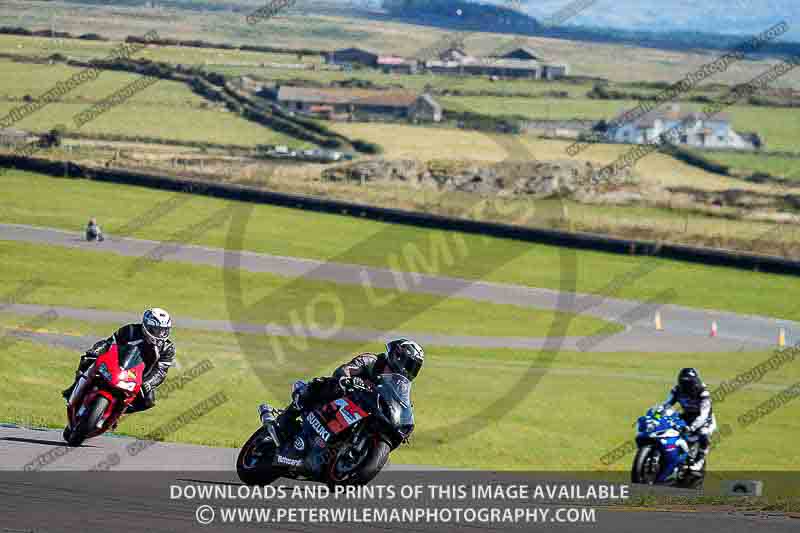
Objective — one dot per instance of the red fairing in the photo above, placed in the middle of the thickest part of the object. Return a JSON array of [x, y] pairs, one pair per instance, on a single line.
[[106, 378], [129, 380], [342, 413]]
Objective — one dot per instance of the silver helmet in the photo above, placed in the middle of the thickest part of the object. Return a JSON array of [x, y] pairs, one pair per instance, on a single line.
[[156, 325]]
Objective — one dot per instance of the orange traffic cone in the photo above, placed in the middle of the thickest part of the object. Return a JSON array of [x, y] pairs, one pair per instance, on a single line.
[[714, 328]]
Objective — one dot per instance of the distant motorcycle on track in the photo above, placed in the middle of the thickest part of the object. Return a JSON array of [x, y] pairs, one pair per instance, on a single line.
[[664, 454], [344, 442], [103, 393]]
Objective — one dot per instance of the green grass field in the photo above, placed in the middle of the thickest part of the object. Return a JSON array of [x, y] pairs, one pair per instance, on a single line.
[[99, 280], [530, 88], [166, 109], [784, 167], [28, 199], [774, 125], [778, 127], [84, 50], [565, 410], [305, 28], [477, 408], [540, 108]]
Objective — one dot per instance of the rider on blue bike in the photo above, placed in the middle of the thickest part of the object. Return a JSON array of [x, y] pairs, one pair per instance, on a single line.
[[695, 400]]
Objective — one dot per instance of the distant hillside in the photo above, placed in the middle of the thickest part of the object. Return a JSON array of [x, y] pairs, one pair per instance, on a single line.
[[675, 24], [736, 17], [683, 25], [463, 13]]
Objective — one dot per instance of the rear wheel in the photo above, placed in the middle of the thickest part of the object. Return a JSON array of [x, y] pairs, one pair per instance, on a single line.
[[646, 465], [348, 469], [254, 464], [87, 423]]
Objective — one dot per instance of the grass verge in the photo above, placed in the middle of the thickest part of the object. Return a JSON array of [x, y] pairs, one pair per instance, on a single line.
[[99, 280], [66, 203]]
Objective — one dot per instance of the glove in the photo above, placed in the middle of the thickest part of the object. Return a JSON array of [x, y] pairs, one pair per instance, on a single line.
[[351, 383]]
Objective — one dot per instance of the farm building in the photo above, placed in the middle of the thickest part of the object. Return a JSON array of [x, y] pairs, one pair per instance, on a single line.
[[524, 53], [362, 103], [247, 83], [521, 62], [13, 137], [518, 63], [399, 65], [691, 129], [426, 109], [506, 68], [353, 56]]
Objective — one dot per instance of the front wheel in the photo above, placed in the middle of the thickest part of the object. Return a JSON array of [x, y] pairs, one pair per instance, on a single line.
[[254, 464], [87, 424], [646, 465], [348, 470]]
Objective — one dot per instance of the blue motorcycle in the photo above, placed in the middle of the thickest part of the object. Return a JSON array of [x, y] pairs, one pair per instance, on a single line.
[[664, 454]]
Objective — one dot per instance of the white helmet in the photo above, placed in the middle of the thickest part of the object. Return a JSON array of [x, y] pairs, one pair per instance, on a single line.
[[156, 325]]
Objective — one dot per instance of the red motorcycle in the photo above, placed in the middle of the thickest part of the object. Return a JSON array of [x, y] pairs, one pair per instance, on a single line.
[[103, 393]]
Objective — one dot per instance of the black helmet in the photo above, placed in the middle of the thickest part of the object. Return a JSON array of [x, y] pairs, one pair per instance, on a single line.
[[689, 382], [405, 357]]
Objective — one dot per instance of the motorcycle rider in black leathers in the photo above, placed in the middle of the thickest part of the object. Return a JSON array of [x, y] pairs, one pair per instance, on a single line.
[[402, 356], [158, 352], [695, 400]]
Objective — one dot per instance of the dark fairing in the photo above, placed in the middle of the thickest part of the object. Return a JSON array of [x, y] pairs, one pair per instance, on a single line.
[[129, 356], [395, 390]]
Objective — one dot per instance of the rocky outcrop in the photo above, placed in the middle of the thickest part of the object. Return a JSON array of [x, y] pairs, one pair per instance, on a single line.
[[538, 179]]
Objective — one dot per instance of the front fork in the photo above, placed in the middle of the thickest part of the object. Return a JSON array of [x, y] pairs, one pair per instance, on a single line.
[[83, 380], [73, 404], [355, 450]]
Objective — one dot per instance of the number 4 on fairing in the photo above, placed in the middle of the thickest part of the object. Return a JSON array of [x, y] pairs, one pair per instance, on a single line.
[[346, 441]]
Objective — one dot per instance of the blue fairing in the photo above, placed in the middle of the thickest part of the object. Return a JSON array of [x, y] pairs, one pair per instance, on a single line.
[[662, 428]]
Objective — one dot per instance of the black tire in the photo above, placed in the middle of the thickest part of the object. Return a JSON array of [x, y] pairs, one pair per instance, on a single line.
[[87, 423], [640, 463], [375, 460], [254, 471]]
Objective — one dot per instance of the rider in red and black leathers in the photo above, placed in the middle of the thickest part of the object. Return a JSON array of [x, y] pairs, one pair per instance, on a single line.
[[158, 355]]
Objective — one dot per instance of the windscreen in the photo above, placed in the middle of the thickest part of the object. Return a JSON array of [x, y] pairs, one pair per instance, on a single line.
[[395, 389], [129, 356]]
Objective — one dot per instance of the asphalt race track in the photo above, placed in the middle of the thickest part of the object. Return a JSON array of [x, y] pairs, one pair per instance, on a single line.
[[133, 495], [686, 329]]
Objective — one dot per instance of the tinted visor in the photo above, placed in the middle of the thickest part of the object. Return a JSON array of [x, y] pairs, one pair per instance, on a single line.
[[158, 332], [688, 386], [410, 365]]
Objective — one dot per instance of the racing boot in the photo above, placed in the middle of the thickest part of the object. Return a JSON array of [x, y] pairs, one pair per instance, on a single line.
[[699, 461], [66, 393], [280, 427]]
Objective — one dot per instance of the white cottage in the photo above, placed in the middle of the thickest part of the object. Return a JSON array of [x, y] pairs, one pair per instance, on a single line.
[[692, 129]]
